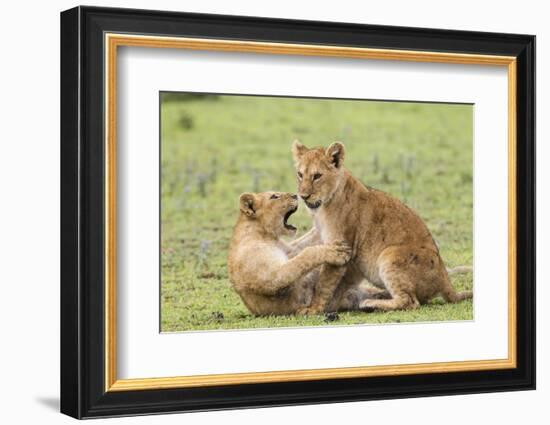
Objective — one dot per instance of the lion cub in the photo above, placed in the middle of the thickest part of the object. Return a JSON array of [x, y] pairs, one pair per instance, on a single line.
[[271, 276], [391, 246]]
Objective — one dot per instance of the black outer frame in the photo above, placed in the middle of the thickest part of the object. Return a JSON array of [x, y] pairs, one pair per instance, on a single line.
[[82, 218]]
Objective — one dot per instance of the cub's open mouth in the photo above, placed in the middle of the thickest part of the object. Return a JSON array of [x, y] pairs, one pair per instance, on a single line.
[[287, 216], [314, 205]]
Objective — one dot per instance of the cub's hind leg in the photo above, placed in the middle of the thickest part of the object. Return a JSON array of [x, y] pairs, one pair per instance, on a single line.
[[401, 300], [375, 293], [400, 269]]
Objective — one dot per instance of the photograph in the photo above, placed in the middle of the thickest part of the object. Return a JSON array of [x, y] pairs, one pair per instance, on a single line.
[[282, 212]]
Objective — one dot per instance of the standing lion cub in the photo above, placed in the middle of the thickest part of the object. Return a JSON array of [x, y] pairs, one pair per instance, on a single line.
[[271, 276], [391, 245]]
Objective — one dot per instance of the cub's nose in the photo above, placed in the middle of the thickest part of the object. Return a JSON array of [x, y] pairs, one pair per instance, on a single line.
[[294, 196], [305, 197]]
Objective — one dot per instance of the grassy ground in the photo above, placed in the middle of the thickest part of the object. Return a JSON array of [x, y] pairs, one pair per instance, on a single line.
[[216, 147]]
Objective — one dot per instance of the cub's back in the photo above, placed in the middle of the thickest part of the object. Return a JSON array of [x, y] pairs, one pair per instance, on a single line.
[[385, 220]]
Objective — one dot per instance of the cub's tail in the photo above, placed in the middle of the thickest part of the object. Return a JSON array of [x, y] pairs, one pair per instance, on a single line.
[[459, 270], [449, 293]]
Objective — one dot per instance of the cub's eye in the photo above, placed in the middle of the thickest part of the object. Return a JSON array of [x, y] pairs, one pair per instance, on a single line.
[[274, 197], [317, 176], [300, 175]]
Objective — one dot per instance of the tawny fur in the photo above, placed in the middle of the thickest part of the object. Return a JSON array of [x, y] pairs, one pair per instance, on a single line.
[[271, 276], [391, 246]]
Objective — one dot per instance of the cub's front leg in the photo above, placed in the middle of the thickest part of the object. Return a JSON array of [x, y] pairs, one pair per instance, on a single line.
[[328, 282], [308, 260], [311, 238]]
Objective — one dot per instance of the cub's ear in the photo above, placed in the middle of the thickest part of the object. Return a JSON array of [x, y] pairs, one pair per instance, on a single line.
[[247, 204], [298, 150], [336, 153]]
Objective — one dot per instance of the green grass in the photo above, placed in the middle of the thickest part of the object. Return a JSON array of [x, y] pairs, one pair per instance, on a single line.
[[216, 147]]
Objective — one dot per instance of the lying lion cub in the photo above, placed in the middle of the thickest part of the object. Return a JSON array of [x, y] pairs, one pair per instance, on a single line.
[[391, 246], [271, 276]]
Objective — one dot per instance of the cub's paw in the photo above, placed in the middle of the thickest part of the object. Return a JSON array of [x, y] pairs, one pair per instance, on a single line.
[[332, 317], [308, 311], [366, 306], [338, 254]]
